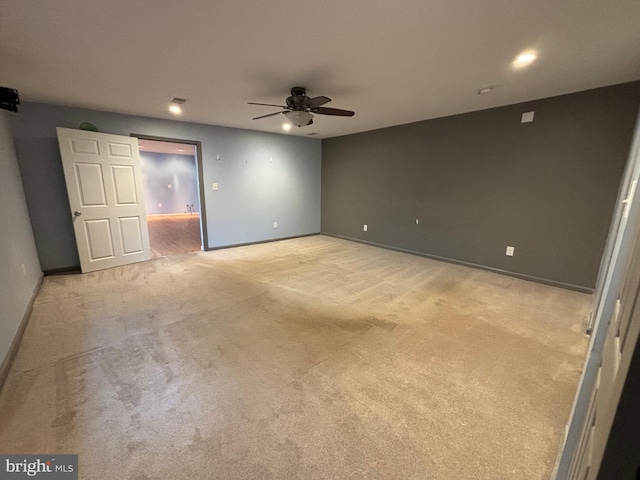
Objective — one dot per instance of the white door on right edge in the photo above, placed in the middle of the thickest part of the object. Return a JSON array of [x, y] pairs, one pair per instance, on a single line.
[[621, 337]]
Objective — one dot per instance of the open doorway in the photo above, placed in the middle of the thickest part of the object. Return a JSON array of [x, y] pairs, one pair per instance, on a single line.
[[171, 179]]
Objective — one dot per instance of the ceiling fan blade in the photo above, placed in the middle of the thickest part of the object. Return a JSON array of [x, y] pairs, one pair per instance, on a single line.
[[268, 115], [267, 104], [333, 111], [317, 101]]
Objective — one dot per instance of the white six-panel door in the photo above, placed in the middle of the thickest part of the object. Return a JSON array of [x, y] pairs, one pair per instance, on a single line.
[[104, 186], [616, 330]]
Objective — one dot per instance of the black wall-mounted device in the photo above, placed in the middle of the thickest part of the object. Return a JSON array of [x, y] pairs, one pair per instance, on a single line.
[[9, 99]]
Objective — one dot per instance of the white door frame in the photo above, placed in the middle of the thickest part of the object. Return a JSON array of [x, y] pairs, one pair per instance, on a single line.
[[204, 236]]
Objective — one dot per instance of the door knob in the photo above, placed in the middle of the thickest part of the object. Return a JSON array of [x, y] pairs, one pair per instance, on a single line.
[[76, 214]]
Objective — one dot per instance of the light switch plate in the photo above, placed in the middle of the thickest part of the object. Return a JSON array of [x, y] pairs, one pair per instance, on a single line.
[[365, 228], [510, 251], [527, 117], [215, 186]]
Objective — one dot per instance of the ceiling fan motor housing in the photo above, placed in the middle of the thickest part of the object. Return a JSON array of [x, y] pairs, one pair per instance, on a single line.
[[298, 92], [298, 99]]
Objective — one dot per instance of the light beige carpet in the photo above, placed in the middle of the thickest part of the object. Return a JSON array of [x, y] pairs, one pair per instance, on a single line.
[[312, 358]]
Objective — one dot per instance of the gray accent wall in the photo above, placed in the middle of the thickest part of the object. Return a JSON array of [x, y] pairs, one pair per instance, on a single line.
[[19, 267], [482, 181], [170, 183], [262, 177]]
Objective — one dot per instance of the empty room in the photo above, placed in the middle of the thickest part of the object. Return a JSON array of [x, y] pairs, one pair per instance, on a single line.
[[320, 240]]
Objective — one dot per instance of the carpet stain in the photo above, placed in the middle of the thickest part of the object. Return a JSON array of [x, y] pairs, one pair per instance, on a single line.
[[152, 344], [136, 446], [380, 323], [197, 439], [117, 365], [353, 326]]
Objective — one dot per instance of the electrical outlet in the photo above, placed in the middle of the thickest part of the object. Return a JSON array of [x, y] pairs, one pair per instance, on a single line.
[[365, 228], [510, 251], [215, 186], [275, 224], [24, 270]]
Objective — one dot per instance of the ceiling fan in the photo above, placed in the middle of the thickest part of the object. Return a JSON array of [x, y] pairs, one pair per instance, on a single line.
[[299, 109]]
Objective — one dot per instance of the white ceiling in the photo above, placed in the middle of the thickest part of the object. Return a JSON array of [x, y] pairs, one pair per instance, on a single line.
[[393, 62]]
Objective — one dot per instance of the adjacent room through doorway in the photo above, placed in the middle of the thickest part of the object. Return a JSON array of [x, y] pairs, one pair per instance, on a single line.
[[170, 178]]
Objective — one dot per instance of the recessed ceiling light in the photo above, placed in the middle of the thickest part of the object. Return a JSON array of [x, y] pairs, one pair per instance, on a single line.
[[485, 90], [286, 126], [524, 59], [175, 109]]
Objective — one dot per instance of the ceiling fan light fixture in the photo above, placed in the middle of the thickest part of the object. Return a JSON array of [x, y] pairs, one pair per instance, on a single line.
[[298, 118], [286, 126]]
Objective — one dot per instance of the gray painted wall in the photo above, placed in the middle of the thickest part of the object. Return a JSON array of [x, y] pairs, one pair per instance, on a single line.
[[159, 170], [19, 267], [263, 177], [480, 181]]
